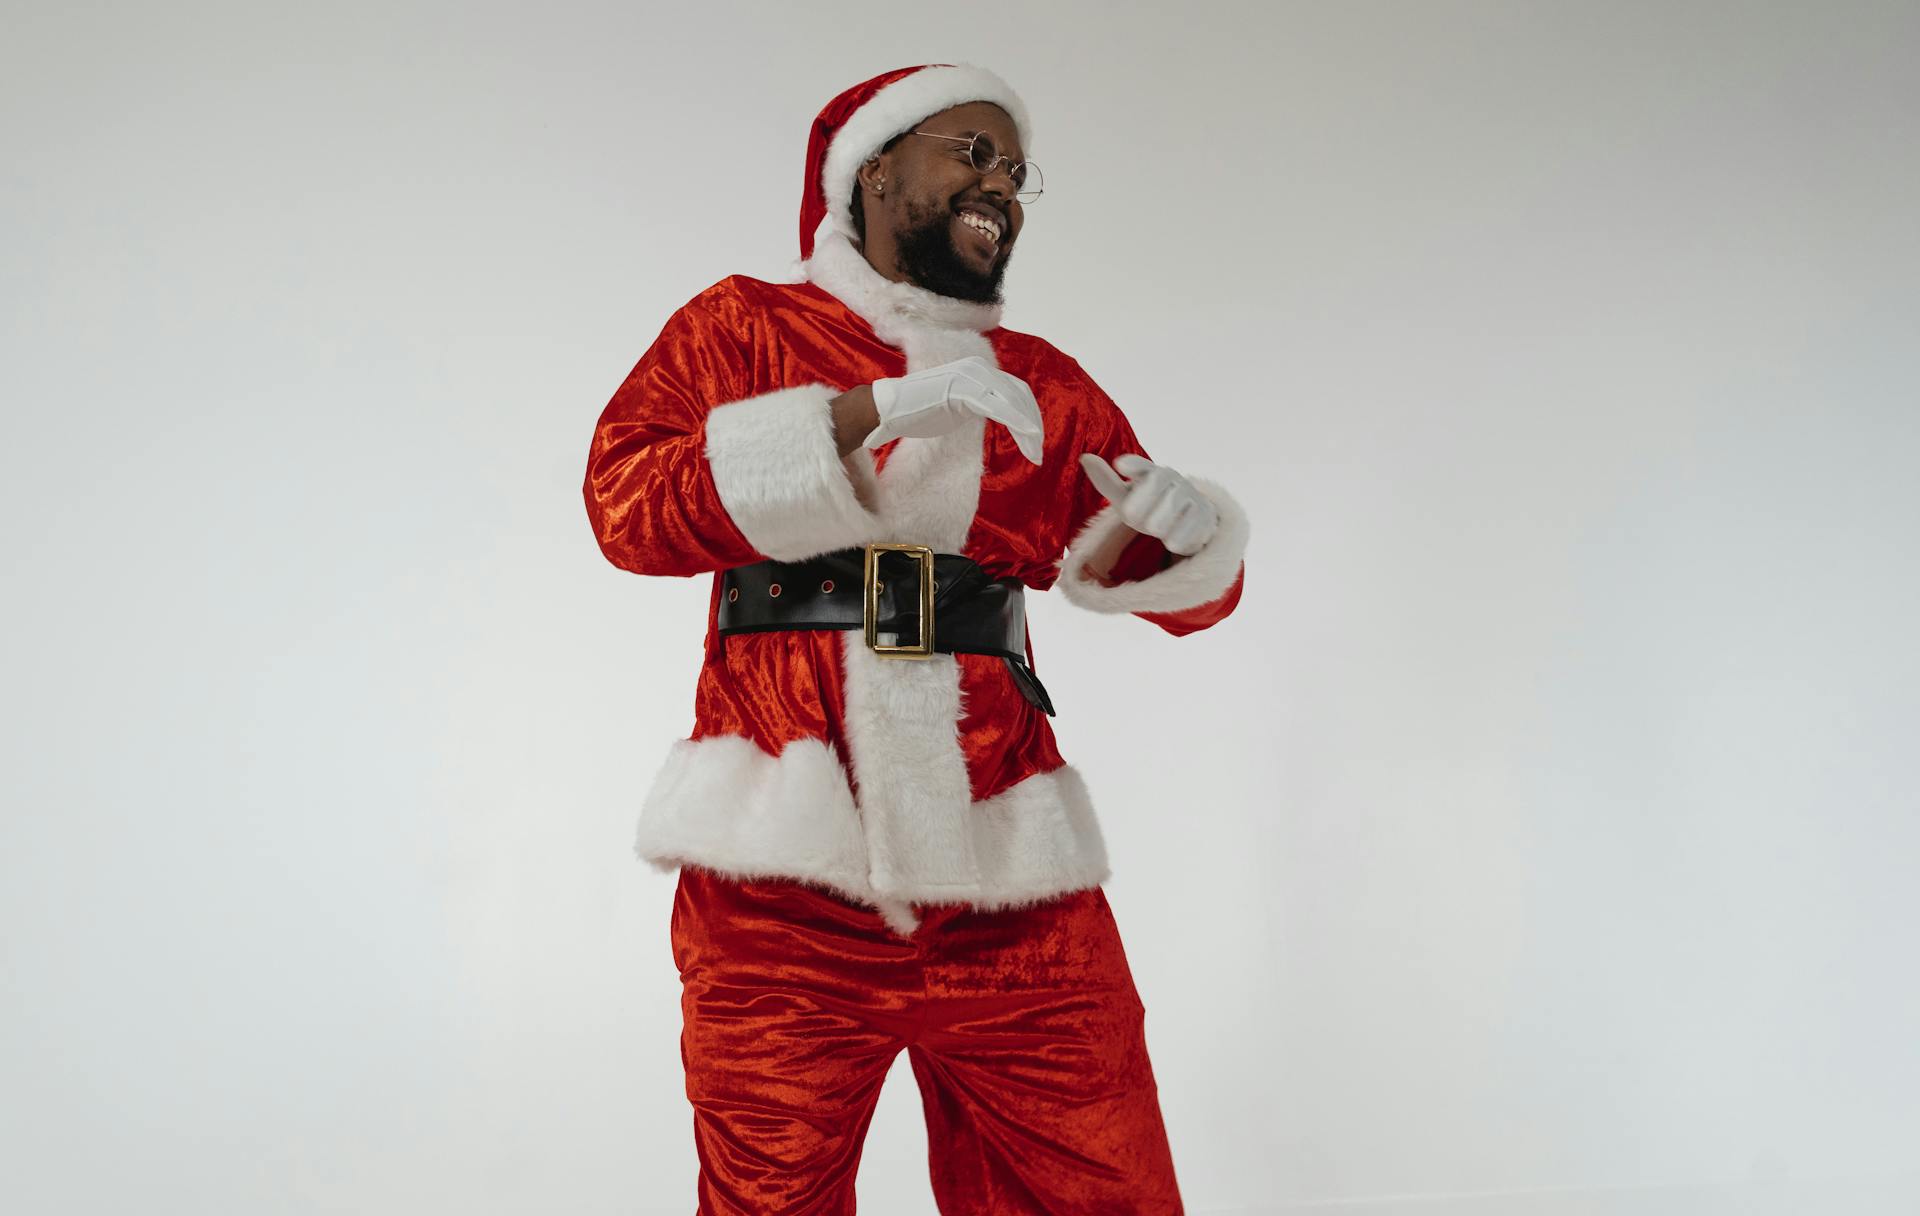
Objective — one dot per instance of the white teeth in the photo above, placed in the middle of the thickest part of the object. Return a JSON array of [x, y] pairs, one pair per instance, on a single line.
[[975, 220]]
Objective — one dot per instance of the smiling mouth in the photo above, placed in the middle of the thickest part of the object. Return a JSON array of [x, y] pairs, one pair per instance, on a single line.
[[980, 230]]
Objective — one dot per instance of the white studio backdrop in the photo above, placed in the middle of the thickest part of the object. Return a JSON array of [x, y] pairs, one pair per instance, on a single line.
[[1537, 838]]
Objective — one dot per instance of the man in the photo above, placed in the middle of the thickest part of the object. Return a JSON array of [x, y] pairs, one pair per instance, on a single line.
[[878, 842]]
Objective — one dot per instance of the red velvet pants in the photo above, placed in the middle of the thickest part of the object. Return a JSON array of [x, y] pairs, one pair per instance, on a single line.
[[1023, 1029]]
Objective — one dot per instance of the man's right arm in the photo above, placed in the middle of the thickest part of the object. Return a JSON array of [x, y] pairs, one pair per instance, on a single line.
[[854, 417], [691, 470]]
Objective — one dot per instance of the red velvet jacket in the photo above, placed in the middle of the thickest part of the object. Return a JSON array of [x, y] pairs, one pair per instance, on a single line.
[[892, 781]]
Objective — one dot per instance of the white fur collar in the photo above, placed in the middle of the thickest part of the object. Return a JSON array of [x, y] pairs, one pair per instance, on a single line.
[[893, 309]]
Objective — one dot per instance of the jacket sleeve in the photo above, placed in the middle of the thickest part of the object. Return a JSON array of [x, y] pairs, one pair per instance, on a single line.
[[691, 470], [1179, 594]]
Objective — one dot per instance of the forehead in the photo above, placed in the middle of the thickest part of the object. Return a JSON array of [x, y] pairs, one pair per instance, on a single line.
[[972, 116]]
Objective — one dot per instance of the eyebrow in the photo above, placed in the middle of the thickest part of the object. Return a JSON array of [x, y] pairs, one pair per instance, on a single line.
[[971, 134]]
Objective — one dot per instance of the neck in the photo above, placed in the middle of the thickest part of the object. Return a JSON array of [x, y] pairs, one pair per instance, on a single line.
[[882, 254]]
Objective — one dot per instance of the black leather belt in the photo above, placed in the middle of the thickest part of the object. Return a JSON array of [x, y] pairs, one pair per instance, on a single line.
[[947, 603]]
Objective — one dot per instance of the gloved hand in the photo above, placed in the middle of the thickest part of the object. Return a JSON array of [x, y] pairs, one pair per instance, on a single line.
[[935, 400], [1157, 501]]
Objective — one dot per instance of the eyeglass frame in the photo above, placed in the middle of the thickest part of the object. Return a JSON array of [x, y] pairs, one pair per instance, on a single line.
[[973, 140]]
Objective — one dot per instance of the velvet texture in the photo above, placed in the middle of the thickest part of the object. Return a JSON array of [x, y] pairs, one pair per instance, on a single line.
[[651, 497], [1022, 1026]]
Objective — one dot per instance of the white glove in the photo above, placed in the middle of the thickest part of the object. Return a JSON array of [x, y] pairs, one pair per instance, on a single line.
[[1157, 501], [935, 400]]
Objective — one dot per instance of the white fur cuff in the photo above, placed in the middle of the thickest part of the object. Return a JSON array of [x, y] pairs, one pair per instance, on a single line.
[[1199, 579], [780, 476]]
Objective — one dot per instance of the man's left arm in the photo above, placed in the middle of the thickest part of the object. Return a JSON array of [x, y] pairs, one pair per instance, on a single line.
[[1148, 539]]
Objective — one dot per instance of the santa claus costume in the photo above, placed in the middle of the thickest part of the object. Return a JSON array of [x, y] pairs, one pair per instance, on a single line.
[[877, 854]]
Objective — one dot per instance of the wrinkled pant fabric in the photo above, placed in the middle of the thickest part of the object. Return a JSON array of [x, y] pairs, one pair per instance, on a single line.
[[1022, 1026]]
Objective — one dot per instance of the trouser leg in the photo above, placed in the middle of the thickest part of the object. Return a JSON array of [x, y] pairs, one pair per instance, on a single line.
[[1033, 1068], [789, 1027]]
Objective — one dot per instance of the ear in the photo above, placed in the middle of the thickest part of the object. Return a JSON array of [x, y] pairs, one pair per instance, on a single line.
[[873, 175]]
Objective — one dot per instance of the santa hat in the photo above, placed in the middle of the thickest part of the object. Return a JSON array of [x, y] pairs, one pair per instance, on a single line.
[[855, 125]]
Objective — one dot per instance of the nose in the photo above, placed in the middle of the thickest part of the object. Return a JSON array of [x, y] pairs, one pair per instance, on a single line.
[[998, 180]]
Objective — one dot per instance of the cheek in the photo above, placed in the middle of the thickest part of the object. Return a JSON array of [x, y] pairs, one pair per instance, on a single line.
[[953, 181]]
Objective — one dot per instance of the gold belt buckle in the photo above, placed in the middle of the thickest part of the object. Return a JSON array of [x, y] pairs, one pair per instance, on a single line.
[[870, 613]]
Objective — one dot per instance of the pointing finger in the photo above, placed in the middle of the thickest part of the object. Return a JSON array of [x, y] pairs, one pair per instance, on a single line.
[[1110, 484], [1027, 431], [1029, 444]]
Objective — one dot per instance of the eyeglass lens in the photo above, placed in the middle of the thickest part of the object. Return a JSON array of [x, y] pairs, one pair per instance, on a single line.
[[986, 156]]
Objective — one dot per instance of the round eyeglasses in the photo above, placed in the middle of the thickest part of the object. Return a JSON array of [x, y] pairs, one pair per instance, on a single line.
[[985, 156]]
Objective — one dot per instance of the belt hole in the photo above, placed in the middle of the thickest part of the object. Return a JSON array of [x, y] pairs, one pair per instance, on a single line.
[[733, 593], [773, 589], [826, 587]]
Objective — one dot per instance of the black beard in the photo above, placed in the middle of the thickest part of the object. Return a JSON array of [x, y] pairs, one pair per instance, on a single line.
[[924, 246]]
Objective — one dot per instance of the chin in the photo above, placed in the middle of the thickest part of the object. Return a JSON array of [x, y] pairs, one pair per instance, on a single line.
[[988, 275], [934, 261]]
